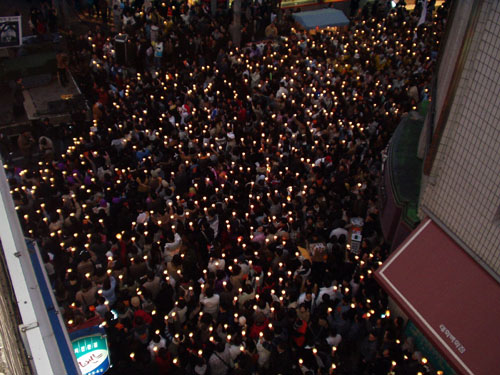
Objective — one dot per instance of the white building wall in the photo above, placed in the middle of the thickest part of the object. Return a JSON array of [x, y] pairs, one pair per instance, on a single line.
[[453, 44], [464, 192]]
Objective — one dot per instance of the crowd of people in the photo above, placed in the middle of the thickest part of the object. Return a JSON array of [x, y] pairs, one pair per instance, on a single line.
[[203, 215], [43, 19]]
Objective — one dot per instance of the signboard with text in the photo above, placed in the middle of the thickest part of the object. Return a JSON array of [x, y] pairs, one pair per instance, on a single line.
[[428, 350], [356, 236], [439, 286], [10, 32], [91, 351]]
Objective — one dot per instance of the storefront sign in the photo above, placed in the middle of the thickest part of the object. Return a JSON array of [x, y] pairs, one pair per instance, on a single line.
[[92, 354], [428, 350]]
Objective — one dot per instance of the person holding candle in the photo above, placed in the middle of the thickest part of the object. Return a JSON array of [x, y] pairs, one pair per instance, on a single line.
[[259, 148]]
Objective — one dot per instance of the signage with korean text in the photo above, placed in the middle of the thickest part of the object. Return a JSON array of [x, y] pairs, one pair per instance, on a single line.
[[92, 354]]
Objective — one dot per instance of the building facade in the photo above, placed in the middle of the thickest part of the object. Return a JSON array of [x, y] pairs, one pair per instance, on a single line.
[[445, 275], [462, 167]]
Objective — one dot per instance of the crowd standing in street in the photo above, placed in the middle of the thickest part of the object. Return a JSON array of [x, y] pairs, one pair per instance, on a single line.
[[202, 216]]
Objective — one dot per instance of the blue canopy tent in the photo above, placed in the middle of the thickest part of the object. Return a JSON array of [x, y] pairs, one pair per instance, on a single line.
[[321, 18]]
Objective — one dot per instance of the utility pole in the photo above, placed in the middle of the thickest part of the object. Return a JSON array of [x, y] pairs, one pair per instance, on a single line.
[[61, 8], [236, 31], [213, 7]]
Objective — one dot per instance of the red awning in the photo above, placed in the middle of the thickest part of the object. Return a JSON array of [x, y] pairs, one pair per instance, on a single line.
[[449, 296]]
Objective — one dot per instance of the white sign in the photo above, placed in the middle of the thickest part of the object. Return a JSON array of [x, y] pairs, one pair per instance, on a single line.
[[10, 32]]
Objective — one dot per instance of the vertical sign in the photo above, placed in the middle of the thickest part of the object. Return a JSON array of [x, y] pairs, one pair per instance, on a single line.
[[356, 236], [10, 32]]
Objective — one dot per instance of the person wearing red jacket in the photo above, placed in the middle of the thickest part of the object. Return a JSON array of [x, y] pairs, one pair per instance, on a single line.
[[299, 332], [259, 325]]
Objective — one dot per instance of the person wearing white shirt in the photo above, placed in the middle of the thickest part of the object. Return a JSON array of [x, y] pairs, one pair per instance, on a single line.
[[179, 311], [172, 247], [337, 232], [331, 291], [281, 91], [309, 299], [216, 264], [210, 302], [334, 338], [156, 343]]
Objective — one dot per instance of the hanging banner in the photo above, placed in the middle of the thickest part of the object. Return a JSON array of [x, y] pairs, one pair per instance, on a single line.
[[10, 32], [356, 236]]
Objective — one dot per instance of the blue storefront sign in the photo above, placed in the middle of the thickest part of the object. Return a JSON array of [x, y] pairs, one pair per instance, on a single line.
[[91, 350]]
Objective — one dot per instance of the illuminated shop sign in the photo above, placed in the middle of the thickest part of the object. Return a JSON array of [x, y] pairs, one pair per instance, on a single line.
[[92, 354]]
